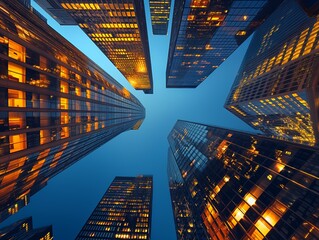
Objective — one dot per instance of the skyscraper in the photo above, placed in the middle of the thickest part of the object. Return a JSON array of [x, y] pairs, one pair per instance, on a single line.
[[23, 229], [241, 186], [118, 28], [56, 105], [160, 15], [206, 32], [124, 211], [276, 89]]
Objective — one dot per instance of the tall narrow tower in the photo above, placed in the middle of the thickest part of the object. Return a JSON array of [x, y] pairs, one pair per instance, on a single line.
[[124, 211], [160, 15]]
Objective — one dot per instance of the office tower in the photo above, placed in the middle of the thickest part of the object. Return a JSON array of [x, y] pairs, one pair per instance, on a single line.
[[23, 229], [117, 27], [277, 85], [56, 105], [124, 211], [186, 225], [242, 186], [160, 16], [206, 32]]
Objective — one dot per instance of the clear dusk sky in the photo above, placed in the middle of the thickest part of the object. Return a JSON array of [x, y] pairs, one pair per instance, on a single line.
[[69, 198]]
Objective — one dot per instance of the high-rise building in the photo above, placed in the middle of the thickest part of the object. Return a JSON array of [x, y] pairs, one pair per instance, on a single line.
[[206, 32], [160, 15], [56, 105], [124, 211], [276, 89], [238, 185], [117, 27], [187, 227], [23, 229]]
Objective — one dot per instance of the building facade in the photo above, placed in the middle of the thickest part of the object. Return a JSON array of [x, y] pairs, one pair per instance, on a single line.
[[206, 32], [23, 229], [241, 186], [124, 211], [276, 89], [118, 28], [160, 15], [56, 105]]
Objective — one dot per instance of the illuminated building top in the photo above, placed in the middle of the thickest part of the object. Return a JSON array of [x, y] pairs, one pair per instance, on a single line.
[[275, 88], [160, 15], [118, 28], [206, 32], [56, 106], [237, 185], [124, 211]]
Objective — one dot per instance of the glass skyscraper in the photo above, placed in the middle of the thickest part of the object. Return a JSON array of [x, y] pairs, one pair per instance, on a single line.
[[117, 27], [56, 105], [124, 211], [206, 32], [23, 229], [160, 15], [227, 184], [276, 89]]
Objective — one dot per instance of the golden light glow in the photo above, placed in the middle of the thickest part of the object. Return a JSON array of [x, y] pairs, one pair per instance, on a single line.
[[250, 199], [190, 17], [81, 6], [199, 3], [268, 220], [241, 33]]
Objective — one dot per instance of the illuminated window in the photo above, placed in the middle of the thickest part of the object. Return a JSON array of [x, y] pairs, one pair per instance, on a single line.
[[16, 98], [16, 73]]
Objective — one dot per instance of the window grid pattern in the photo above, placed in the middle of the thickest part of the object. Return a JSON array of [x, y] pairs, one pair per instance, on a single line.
[[205, 33], [118, 28], [56, 106], [253, 187], [160, 16], [124, 211], [273, 90]]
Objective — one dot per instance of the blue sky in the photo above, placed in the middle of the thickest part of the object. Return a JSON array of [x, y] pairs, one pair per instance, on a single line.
[[69, 198]]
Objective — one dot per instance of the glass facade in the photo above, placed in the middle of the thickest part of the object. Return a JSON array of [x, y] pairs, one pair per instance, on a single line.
[[160, 15], [56, 106], [206, 32], [276, 89], [241, 186], [124, 211], [117, 27], [23, 229]]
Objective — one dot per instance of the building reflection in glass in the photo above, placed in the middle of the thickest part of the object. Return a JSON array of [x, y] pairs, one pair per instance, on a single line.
[[241, 186], [276, 89], [56, 105], [160, 15], [23, 229], [206, 32], [117, 27], [124, 211]]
